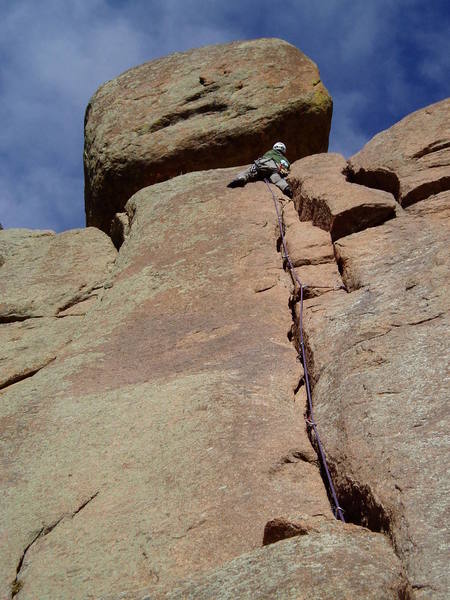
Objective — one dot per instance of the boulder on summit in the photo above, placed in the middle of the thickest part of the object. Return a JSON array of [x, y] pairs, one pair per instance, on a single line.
[[217, 106]]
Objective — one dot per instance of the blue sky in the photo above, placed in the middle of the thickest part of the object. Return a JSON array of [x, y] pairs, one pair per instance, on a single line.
[[380, 59]]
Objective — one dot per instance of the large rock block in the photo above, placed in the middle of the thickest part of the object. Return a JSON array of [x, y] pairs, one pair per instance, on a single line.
[[29, 345], [330, 562], [323, 195], [378, 352], [411, 159], [212, 107], [43, 273], [168, 432], [379, 356], [48, 282]]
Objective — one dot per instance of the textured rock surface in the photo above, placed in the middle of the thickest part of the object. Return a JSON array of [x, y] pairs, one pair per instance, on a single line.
[[378, 358], [411, 159], [153, 442], [43, 273], [27, 346], [306, 244], [312, 253], [324, 196], [166, 435], [212, 107], [331, 562], [45, 277]]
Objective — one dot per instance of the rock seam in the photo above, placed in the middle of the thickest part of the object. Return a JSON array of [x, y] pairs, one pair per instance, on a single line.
[[17, 584]]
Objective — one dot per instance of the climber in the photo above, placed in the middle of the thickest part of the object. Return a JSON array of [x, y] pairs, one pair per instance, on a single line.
[[272, 165]]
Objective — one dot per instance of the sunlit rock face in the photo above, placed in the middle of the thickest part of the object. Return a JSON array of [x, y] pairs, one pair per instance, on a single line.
[[379, 348], [411, 159], [216, 106], [152, 406]]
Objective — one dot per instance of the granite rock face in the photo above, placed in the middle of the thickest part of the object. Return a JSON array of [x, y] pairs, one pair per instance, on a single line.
[[44, 274], [324, 196], [152, 407], [288, 570], [411, 159], [166, 435], [378, 350], [216, 106], [379, 355], [48, 282]]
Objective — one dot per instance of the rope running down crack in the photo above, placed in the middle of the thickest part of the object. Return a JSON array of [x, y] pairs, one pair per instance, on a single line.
[[338, 512]]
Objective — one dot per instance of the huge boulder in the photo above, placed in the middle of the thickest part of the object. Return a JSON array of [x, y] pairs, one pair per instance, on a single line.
[[216, 106]]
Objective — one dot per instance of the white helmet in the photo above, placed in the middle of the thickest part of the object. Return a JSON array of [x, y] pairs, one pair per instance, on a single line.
[[280, 147]]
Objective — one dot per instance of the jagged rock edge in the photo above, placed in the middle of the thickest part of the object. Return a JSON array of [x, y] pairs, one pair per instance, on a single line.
[[387, 180], [27, 375]]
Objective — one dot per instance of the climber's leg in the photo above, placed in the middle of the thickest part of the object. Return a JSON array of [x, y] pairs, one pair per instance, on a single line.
[[249, 174], [281, 183]]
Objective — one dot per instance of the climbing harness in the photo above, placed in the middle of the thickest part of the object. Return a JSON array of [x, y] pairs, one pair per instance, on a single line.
[[338, 512]]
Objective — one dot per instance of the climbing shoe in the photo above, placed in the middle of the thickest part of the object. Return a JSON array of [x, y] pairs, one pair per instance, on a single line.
[[288, 192], [238, 182]]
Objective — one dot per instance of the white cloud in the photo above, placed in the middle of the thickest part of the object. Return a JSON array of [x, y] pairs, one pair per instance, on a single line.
[[65, 52]]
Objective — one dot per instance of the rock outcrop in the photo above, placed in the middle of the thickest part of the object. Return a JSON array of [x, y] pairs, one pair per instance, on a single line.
[[411, 159], [46, 274], [48, 283], [378, 351], [326, 198], [152, 407], [217, 106], [288, 570], [173, 415]]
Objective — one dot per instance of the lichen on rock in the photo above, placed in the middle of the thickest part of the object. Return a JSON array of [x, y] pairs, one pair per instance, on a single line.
[[211, 107]]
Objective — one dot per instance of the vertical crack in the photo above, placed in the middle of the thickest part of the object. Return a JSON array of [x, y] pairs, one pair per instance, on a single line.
[[295, 337], [357, 500]]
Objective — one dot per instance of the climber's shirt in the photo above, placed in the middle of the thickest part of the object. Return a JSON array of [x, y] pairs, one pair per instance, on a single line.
[[281, 162]]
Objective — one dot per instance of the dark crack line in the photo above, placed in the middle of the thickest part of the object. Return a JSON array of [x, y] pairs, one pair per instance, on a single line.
[[173, 118], [412, 323], [431, 148], [19, 318], [265, 289], [24, 376], [425, 191], [81, 298], [16, 585], [80, 508]]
